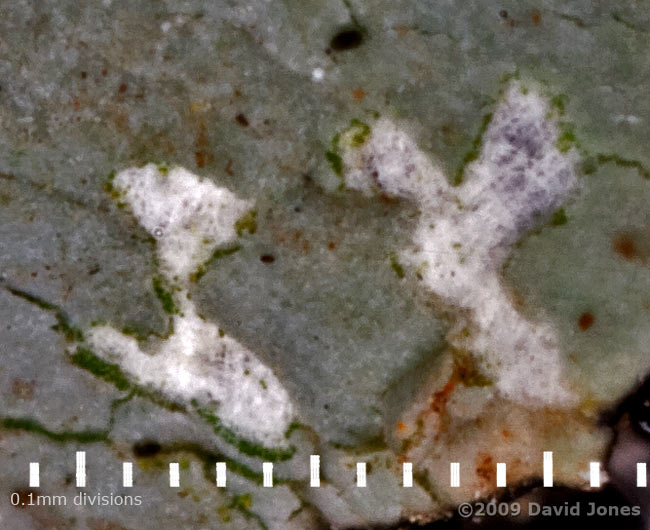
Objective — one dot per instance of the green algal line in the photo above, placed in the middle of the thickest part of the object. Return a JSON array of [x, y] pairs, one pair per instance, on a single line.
[[624, 162], [209, 459], [294, 426], [166, 298], [30, 425], [559, 218], [242, 444], [247, 222], [396, 265], [242, 504], [474, 151], [335, 161], [109, 372], [63, 324], [567, 138], [359, 138], [216, 255]]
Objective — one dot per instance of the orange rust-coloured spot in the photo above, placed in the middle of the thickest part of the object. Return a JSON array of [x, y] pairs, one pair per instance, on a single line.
[[228, 168], [331, 245], [358, 94], [485, 468], [625, 247], [506, 433], [440, 398], [401, 426], [123, 88], [536, 17], [76, 103], [585, 321]]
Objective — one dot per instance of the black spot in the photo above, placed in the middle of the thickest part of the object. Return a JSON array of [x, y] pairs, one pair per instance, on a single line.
[[503, 13], [242, 120], [267, 258], [146, 449], [346, 39]]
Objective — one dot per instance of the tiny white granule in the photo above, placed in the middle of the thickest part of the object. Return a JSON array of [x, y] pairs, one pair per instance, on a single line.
[[318, 74]]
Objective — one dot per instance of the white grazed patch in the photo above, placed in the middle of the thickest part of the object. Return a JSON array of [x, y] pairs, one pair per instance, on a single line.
[[196, 361], [465, 233], [188, 216]]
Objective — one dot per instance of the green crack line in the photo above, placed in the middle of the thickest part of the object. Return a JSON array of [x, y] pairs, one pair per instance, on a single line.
[[86, 359]]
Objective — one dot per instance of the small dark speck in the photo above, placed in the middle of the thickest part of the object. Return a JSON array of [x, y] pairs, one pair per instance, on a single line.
[[297, 209], [585, 321], [326, 406], [94, 270], [123, 88], [346, 39], [241, 119], [146, 449], [503, 13], [267, 258], [83, 75]]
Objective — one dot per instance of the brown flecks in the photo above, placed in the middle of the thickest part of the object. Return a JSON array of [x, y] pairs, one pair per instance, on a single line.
[[401, 426], [535, 17], [34, 274], [94, 270], [506, 433], [485, 469], [387, 199], [267, 258], [242, 120], [228, 168], [624, 246], [440, 398], [76, 104], [200, 154], [121, 121], [104, 72], [331, 245], [123, 88], [358, 94], [47, 267], [83, 75], [202, 138], [84, 180], [23, 389], [585, 321]]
